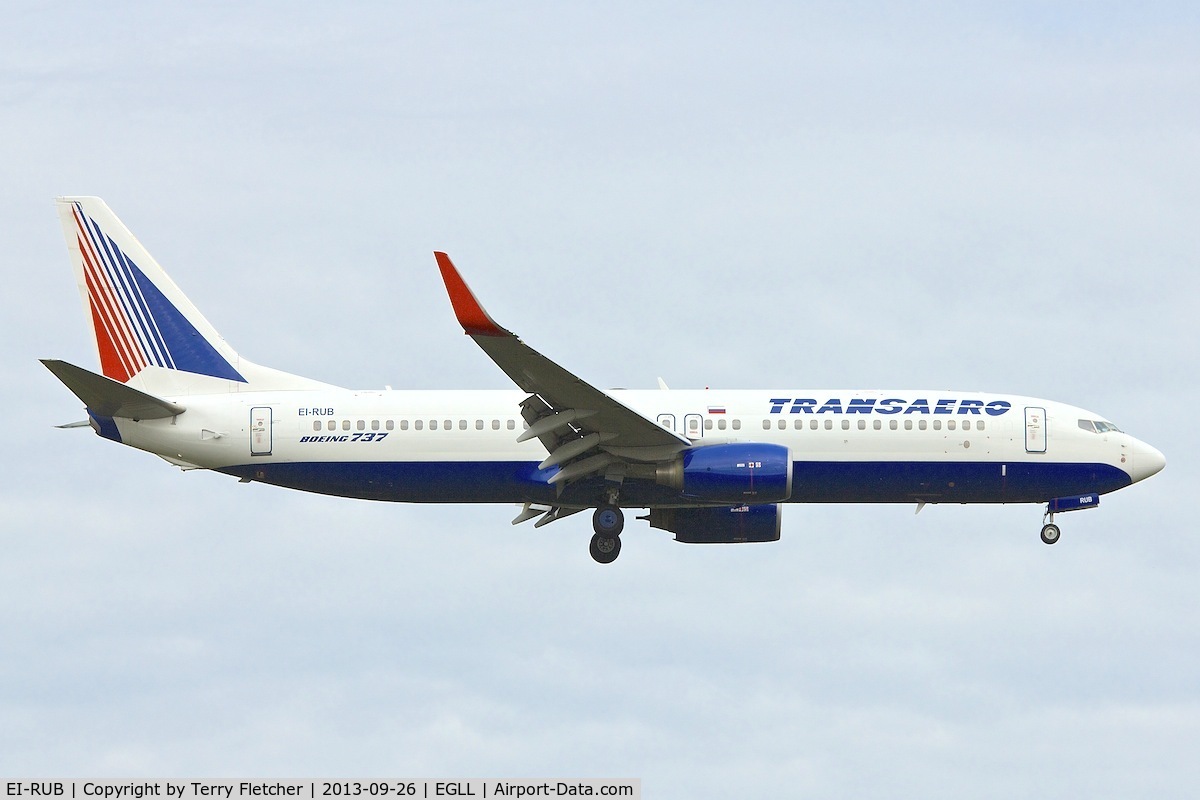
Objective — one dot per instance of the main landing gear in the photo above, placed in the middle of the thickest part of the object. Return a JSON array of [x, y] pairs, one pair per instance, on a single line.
[[608, 522]]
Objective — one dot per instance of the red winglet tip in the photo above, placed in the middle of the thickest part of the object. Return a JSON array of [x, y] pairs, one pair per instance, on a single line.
[[474, 320]]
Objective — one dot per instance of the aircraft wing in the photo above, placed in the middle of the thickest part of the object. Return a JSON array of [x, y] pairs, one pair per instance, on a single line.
[[584, 429]]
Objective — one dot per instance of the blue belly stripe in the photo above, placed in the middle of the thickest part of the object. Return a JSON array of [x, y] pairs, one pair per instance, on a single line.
[[949, 482], [813, 482]]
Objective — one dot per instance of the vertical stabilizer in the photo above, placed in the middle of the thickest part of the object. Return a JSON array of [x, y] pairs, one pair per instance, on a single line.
[[145, 329]]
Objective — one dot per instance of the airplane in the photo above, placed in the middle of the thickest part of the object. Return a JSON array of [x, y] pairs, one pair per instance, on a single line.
[[709, 466]]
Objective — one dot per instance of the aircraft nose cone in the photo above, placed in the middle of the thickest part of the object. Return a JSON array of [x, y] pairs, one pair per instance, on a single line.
[[1147, 460]]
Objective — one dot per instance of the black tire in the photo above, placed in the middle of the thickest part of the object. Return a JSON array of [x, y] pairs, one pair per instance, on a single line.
[[608, 521], [605, 549], [1050, 533]]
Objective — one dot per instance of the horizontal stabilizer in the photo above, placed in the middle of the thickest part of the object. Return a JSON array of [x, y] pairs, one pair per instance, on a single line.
[[108, 398]]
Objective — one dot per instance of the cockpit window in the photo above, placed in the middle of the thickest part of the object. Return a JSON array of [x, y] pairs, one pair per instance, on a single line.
[[1098, 426], [1087, 425]]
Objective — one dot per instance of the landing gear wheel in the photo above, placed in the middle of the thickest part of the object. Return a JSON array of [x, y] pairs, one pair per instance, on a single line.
[[608, 521], [604, 548], [1050, 533]]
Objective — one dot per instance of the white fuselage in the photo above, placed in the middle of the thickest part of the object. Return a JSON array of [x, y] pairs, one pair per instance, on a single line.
[[847, 446]]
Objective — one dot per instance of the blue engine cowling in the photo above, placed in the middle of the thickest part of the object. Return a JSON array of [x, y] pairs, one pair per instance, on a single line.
[[719, 525], [738, 473]]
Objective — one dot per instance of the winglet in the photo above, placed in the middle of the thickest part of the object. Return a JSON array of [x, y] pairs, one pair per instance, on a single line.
[[470, 313]]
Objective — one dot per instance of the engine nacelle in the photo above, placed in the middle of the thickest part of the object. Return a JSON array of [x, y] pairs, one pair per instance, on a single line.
[[719, 525], [734, 473]]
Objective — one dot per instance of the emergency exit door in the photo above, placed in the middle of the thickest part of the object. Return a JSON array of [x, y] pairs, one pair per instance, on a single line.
[[260, 431], [1035, 429]]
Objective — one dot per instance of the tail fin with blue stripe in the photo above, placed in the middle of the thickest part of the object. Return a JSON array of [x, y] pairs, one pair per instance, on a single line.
[[146, 331]]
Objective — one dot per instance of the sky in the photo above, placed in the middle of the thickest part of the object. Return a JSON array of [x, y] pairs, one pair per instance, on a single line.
[[977, 196]]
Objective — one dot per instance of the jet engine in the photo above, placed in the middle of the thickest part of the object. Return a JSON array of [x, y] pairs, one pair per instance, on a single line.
[[731, 473]]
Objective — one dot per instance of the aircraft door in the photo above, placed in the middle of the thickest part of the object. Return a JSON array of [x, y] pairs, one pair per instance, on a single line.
[[260, 431], [693, 426], [667, 421], [1035, 429]]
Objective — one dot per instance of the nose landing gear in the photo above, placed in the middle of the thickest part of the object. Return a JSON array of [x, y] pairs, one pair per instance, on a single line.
[[1060, 505]]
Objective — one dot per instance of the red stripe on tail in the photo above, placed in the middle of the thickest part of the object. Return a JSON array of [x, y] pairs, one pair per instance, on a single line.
[[113, 333]]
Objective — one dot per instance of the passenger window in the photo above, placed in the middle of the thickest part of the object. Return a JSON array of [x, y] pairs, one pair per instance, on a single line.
[[708, 424], [949, 424], [766, 424], [374, 424], [893, 425], [798, 424], [966, 424], [908, 424], [978, 424], [403, 424], [782, 424], [478, 424], [922, 424], [419, 424], [362, 425], [449, 425], [495, 424], [862, 424], [737, 424], [937, 424], [720, 424], [828, 424], [345, 424], [845, 424], [317, 425], [433, 424], [512, 424], [812, 424], [462, 424], [878, 425], [331, 425]]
